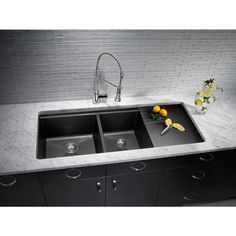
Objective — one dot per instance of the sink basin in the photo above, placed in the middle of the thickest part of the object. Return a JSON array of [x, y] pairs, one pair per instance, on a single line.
[[124, 131], [61, 135], [66, 135]]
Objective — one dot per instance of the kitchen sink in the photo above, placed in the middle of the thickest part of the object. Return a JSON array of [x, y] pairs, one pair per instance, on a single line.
[[124, 131], [90, 132], [69, 134]]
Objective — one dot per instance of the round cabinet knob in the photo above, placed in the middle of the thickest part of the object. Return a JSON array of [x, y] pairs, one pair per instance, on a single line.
[[7, 181], [73, 173], [199, 175], [138, 166]]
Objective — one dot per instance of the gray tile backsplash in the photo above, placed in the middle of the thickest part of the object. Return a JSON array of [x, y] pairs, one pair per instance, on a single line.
[[56, 65]]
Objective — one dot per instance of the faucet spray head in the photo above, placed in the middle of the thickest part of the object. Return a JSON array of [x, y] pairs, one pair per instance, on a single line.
[[118, 94], [118, 90]]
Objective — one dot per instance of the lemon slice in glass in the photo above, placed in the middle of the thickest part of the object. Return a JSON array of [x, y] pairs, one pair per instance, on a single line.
[[198, 102]]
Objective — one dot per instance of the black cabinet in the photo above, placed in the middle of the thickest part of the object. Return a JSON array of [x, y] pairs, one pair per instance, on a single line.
[[133, 190], [75, 187], [189, 185], [126, 184], [21, 190], [135, 184], [25, 196], [170, 181], [79, 193], [228, 188]]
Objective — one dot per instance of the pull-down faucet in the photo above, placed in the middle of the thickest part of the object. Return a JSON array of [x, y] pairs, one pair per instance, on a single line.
[[96, 95]]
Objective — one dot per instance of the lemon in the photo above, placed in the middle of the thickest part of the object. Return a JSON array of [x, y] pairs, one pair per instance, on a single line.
[[178, 127], [156, 109], [208, 92], [168, 122], [198, 102], [201, 93], [163, 112]]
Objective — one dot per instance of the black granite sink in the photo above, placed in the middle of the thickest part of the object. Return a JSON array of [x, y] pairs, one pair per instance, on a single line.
[[68, 134], [124, 130]]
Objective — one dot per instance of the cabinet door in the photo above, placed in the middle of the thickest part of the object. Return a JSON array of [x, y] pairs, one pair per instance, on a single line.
[[83, 192], [228, 188], [22, 196], [190, 185], [140, 189], [21, 190]]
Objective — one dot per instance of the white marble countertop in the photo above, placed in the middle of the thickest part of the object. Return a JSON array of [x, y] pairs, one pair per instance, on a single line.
[[18, 133]]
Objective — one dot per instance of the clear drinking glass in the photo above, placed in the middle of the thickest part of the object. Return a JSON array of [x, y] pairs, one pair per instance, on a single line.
[[207, 96]]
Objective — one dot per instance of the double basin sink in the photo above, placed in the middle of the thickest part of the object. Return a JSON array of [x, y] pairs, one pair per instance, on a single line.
[[68, 134]]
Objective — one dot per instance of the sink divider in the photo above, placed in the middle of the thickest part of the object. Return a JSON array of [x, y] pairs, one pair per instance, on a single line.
[[100, 130], [146, 120]]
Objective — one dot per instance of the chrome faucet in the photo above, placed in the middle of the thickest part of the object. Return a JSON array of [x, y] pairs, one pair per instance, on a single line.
[[98, 97]]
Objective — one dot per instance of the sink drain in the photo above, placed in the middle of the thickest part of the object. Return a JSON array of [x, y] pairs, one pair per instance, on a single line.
[[121, 142], [71, 148]]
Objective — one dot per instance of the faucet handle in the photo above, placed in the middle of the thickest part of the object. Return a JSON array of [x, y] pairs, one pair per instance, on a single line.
[[102, 92], [99, 98], [102, 98]]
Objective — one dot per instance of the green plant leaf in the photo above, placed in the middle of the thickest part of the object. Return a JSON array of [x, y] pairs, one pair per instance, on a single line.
[[157, 117]]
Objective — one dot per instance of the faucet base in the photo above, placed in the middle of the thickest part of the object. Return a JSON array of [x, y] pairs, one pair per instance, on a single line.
[[99, 98]]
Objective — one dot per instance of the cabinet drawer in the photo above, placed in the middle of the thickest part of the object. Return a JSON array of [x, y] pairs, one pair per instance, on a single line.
[[225, 156], [75, 174], [23, 196], [190, 184], [19, 180], [191, 160], [162, 163], [228, 188], [136, 167]]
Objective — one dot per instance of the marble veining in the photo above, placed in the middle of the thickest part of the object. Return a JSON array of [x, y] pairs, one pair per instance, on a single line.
[[18, 133]]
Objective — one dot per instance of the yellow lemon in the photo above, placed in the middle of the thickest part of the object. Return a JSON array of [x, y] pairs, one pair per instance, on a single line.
[[198, 102], [201, 93], [208, 92], [168, 122], [156, 109], [163, 112], [178, 127]]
